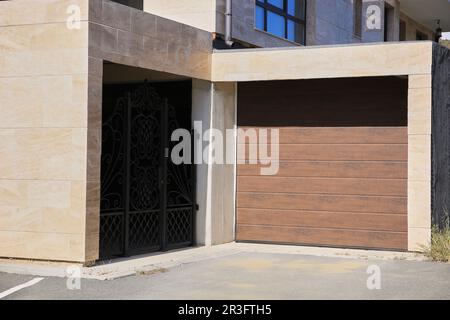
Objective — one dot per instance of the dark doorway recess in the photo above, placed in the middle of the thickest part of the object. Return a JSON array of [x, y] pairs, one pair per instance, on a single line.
[[147, 202]]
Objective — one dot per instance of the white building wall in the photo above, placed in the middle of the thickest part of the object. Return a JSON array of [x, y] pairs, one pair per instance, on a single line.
[[215, 106]]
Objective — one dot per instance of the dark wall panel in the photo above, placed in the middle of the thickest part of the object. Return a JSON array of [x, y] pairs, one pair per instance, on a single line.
[[441, 137], [352, 102]]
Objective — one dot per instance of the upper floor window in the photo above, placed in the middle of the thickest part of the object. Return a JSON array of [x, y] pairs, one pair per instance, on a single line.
[[283, 18]]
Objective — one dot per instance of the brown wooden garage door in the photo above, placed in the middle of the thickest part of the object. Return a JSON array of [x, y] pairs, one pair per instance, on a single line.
[[342, 179]]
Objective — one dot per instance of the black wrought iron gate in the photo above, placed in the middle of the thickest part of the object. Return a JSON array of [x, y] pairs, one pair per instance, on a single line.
[[147, 202]]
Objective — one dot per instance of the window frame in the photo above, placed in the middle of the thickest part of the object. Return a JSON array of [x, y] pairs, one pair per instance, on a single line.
[[266, 6]]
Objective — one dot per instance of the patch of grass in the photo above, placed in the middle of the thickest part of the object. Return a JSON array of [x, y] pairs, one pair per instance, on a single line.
[[445, 43], [439, 250]]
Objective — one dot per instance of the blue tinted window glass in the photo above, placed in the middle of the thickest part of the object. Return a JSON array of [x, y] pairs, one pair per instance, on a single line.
[[296, 8], [295, 32], [291, 7], [276, 3], [259, 16], [291, 30], [275, 24]]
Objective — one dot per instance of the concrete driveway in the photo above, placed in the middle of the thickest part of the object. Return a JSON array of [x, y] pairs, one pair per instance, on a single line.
[[253, 275]]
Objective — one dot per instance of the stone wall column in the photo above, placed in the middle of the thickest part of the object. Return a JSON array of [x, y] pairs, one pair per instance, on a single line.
[[419, 161]]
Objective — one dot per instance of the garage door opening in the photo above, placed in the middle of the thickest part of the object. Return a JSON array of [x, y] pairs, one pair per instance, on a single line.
[[342, 178]]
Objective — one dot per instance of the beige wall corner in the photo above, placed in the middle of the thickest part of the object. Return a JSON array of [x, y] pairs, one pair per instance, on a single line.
[[420, 81], [369, 60], [93, 158], [419, 161], [419, 107], [43, 94], [418, 238]]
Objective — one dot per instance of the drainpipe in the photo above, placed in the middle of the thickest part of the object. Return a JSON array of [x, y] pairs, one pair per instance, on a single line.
[[228, 23]]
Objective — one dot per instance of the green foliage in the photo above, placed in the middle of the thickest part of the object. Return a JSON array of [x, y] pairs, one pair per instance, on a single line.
[[445, 43], [439, 249]]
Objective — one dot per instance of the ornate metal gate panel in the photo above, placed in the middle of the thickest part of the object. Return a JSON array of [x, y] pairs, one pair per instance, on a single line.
[[147, 202]]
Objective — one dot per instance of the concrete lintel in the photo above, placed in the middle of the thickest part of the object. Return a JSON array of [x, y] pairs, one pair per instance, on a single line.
[[367, 60]]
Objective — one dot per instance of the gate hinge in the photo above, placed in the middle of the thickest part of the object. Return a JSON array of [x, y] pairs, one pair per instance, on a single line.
[[197, 207], [166, 152]]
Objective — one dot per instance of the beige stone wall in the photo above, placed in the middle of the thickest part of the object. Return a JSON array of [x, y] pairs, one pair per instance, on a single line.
[[322, 62], [43, 130], [51, 98], [197, 13], [419, 160]]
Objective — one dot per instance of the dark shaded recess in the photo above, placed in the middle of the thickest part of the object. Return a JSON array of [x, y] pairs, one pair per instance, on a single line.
[[219, 44], [440, 135], [178, 94], [147, 202], [352, 102], [137, 4]]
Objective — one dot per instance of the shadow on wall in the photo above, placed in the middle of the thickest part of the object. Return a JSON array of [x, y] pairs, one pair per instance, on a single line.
[[138, 4], [377, 101]]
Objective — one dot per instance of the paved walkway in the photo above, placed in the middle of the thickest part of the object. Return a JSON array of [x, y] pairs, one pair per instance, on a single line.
[[256, 275]]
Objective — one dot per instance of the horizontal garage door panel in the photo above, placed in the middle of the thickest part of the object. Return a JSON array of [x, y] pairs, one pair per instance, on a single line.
[[361, 186], [337, 152], [321, 202], [341, 135], [343, 163], [348, 169], [323, 219], [329, 237]]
